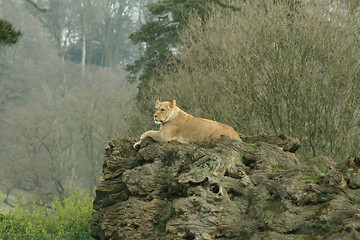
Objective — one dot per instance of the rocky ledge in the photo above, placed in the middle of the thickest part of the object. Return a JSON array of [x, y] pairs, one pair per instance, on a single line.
[[224, 189]]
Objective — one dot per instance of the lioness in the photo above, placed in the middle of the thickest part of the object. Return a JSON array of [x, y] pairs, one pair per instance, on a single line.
[[175, 124]]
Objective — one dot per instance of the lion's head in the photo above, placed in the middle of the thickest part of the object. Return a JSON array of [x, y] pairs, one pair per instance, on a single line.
[[164, 111]]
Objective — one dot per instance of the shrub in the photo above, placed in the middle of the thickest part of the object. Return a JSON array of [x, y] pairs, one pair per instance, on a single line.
[[273, 67], [62, 219]]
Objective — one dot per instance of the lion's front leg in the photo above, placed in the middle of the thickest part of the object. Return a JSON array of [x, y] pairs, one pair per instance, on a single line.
[[156, 135]]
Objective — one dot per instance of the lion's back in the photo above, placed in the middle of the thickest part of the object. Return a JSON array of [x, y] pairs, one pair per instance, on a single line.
[[196, 129]]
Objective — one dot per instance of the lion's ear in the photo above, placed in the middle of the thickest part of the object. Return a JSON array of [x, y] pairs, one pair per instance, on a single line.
[[157, 101], [173, 103]]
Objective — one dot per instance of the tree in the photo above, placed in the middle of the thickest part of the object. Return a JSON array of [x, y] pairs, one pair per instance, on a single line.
[[8, 34], [36, 145], [113, 47], [23, 66], [53, 125], [271, 68], [159, 37], [92, 32], [94, 115]]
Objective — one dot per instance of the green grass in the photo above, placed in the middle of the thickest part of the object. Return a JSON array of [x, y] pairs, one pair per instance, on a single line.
[[251, 144], [314, 179], [323, 169], [278, 169], [274, 207]]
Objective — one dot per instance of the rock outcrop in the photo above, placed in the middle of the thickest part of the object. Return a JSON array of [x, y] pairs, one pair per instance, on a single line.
[[224, 189]]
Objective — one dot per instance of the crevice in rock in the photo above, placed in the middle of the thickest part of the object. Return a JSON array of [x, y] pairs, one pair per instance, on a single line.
[[215, 188]]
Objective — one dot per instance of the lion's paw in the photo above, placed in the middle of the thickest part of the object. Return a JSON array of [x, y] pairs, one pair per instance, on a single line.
[[136, 145]]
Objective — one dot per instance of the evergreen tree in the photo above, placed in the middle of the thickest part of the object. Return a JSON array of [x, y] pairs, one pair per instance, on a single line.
[[8, 34], [160, 36]]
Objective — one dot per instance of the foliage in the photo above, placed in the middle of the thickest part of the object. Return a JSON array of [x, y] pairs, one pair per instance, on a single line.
[[251, 144], [50, 146], [160, 37], [164, 216], [103, 25], [8, 35], [278, 169], [314, 179], [275, 68], [323, 169], [55, 116], [63, 218]]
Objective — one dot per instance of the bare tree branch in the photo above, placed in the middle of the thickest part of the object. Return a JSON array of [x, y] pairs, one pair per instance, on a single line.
[[41, 9]]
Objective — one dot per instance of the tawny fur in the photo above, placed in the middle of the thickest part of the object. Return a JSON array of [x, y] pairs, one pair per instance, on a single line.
[[175, 124]]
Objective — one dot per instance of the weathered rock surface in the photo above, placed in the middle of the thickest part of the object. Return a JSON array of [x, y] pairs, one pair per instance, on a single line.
[[224, 190]]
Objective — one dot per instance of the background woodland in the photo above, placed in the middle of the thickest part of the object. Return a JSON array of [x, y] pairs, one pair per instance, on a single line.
[[63, 93]]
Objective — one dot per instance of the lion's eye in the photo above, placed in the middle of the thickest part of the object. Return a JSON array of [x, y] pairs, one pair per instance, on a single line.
[[163, 109]]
